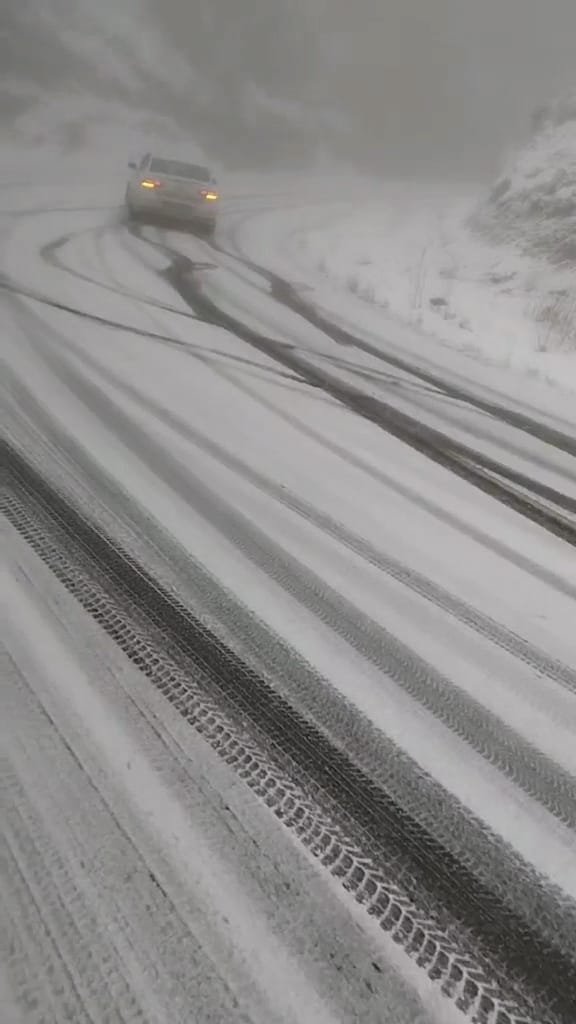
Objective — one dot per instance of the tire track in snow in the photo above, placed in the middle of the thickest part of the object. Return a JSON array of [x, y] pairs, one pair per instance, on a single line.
[[485, 855], [403, 923], [515, 645], [499, 635], [522, 762], [490, 480], [52, 254], [419, 383], [416, 498], [288, 295], [303, 686], [544, 505]]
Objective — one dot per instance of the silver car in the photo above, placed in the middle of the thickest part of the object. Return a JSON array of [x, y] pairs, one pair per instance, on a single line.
[[174, 190]]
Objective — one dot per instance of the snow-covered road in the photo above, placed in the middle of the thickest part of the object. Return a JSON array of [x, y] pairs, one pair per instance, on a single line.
[[144, 882], [384, 539]]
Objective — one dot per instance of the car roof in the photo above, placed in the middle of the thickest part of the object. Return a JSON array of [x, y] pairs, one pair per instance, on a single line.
[[170, 158]]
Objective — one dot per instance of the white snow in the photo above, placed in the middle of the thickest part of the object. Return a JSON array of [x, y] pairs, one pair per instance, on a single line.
[[414, 257], [121, 432], [534, 200], [119, 413], [276, 958], [492, 275], [205, 873]]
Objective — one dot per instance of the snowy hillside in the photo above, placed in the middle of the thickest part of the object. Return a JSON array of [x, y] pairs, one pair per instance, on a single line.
[[415, 255], [533, 203]]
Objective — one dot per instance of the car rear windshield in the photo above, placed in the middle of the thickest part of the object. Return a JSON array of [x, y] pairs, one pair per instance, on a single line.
[[176, 169]]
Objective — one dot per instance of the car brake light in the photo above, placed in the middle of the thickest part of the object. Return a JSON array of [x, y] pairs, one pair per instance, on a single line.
[[209, 195], [148, 183]]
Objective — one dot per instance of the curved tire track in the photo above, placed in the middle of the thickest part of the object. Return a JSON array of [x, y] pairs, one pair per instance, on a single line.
[[544, 780], [544, 505], [515, 645], [339, 782], [487, 857]]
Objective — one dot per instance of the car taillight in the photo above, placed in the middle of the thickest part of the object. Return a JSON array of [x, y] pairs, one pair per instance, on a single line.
[[209, 194], [148, 183]]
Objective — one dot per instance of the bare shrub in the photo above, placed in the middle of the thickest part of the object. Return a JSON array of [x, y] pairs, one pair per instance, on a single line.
[[353, 284], [419, 277], [555, 317]]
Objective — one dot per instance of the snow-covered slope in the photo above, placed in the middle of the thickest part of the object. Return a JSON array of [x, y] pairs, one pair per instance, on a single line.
[[494, 276], [413, 257], [533, 203]]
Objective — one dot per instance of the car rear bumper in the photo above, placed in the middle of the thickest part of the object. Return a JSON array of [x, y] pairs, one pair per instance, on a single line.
[[178, 209]]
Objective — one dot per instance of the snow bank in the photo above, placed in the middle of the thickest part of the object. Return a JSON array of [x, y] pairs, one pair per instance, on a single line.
[[415, 255]]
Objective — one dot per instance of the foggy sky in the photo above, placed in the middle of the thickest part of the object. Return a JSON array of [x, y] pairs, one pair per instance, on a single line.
[[436, 85], [453, 82], [400, 86]]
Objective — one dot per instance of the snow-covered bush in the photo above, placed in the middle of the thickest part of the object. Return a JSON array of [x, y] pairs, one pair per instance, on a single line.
[[533, 203]]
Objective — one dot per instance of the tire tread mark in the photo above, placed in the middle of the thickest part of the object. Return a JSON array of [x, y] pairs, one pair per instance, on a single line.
[[495, 479], [337, 779], [544, 780]]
